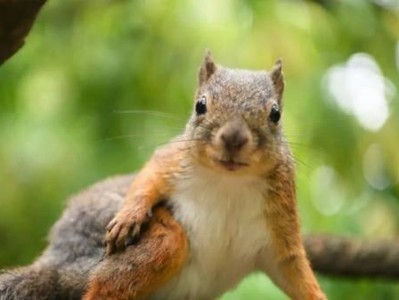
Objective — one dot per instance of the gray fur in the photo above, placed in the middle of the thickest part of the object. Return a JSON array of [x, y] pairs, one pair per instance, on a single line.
[[75, 247]]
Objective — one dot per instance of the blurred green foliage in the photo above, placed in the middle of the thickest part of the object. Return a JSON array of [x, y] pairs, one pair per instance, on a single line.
[[77, 102]]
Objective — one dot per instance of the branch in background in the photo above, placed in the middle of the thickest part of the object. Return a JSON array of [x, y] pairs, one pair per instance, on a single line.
[[348, 257], [16, 20]]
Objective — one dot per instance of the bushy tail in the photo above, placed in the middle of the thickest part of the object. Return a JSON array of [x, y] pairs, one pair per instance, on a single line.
[[75, 247], [36, 282]]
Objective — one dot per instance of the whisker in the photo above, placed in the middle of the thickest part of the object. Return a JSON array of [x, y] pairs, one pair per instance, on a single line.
[[301, 162], [182, 141], [289, 135], [186, 140], [174, 142], [149, 113], [295, 145], [125, 136]]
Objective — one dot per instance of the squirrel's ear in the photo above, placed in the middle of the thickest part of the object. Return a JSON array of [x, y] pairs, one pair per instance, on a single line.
[[207, 68], [276, 75]]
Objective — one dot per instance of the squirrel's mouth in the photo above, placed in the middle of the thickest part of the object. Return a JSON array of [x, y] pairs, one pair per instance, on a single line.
[[232, 165]]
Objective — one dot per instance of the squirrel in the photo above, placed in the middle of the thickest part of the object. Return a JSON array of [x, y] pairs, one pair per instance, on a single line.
[[229, 181], [215, 204]]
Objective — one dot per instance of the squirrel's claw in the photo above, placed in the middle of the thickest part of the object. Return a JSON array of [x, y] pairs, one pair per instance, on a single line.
[[111, 224], [110, 248], [132, 239], [124, 229]]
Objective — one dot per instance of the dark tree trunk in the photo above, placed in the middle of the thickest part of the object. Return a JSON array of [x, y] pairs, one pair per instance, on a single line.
[[16, 20]]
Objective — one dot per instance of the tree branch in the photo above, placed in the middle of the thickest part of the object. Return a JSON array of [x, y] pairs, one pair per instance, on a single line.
[[348, 257], [16, 20]]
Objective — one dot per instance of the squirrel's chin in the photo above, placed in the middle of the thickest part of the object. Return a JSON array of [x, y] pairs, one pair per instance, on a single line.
[[231, 165]]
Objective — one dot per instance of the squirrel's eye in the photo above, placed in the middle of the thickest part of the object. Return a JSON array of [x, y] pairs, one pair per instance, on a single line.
[[275, 114], [200, 106]]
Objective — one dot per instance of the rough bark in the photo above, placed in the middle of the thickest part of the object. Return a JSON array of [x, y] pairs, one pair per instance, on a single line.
[[349, 257], [16, 20]]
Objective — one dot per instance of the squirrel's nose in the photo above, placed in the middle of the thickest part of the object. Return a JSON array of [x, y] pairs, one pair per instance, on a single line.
[[233, 140]]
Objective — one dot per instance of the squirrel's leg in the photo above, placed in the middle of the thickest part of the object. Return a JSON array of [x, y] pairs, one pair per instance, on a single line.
[[291, 272], [284, 260], [143, 267], [150, 186]]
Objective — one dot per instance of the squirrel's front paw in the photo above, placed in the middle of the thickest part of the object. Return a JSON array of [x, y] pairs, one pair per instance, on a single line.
[[124, 228]]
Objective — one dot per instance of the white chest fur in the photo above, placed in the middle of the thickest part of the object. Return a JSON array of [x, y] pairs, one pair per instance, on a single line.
[[223, 216]]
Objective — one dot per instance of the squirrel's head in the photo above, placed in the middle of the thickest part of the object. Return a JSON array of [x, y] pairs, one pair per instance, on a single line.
[[235, 125]]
